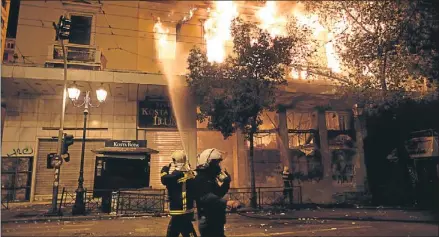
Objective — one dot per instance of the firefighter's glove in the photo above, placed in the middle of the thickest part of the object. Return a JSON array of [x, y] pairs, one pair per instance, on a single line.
[[227, 179], [165, 169], [233, 204]]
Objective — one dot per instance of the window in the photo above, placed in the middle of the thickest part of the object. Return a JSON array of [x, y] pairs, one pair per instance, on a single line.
[[12, 45], [338, 120], [80, 30], [5, 57]]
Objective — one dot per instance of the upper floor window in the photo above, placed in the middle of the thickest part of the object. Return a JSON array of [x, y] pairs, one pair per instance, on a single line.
[[80, 31]]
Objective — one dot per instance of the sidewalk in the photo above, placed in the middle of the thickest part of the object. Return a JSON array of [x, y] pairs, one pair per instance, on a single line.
[[37, 212], [357, 214]]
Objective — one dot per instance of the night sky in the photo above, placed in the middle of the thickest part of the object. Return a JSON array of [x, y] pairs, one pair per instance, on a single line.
[[13, 19]]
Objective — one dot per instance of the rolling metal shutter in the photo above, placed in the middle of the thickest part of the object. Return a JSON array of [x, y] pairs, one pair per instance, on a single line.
[[69, 170], [165, 142]]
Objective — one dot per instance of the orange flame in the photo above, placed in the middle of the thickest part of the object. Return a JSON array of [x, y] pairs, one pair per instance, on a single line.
[[217, 30], [321, 33], [166, 47], [275, 25]]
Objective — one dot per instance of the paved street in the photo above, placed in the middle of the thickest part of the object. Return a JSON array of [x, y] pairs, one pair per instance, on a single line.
[[237, 225]]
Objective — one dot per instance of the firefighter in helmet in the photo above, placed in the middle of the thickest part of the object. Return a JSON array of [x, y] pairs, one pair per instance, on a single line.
[[212, 184], [287, 178], [179, 185]]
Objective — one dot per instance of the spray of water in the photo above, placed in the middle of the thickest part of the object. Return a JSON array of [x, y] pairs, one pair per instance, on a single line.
[[181, 102]]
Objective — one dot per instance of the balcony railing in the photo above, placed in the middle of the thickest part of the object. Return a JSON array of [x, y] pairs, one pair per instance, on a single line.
[[77, 56]]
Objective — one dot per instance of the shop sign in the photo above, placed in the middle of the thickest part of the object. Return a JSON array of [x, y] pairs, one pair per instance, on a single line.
[[156, 114], [126, 144]]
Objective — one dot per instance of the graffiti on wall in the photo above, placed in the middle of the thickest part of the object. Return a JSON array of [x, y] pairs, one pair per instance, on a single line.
[[343, 166], [306, 167], [21, 152]]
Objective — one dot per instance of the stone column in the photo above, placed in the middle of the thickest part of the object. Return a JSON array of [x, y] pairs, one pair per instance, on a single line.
[[235, 156], [243, 164], [3, 118], [283, 137], [192, 133], [360, 165], [324, 145]]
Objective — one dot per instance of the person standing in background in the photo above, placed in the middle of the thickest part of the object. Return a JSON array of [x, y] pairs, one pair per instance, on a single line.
[[287, 178]]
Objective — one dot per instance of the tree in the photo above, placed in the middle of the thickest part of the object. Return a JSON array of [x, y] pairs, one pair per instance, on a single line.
[[389, 50], [384, 45], [232, 95]]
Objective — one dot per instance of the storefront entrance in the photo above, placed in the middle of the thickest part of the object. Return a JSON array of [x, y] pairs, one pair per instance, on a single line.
[[121, 173]]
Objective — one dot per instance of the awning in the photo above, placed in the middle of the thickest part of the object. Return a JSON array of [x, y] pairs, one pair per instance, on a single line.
[[125, 150]]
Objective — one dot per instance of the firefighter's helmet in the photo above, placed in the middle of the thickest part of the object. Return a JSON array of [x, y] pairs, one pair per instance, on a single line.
[[179, 159], [207, 156]]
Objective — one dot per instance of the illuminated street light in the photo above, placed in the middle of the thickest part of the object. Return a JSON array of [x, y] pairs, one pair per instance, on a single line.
[[74, 92]]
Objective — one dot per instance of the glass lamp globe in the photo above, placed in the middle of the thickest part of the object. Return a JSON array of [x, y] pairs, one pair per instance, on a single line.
[[74, 93], [101, 94]]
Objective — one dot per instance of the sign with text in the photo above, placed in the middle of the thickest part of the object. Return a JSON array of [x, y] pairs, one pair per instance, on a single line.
[[156, 114], [125, 144]]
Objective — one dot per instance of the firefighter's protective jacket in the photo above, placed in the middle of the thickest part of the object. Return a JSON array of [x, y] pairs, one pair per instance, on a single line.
[[179, 185], [287, 177], [209, 197]]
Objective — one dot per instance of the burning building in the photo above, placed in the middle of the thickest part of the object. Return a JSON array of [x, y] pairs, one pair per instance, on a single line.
[[138, 50]]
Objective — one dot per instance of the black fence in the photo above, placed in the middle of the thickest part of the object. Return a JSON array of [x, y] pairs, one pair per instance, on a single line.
[[92, 204], [140, 201], [155, 201]]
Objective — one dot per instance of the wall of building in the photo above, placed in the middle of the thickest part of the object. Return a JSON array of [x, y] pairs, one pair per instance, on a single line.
[[322, 179], [130, 42], [31, 118]]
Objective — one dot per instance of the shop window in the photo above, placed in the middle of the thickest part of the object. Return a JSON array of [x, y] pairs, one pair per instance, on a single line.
[[269, 119], [338, 120], [343, 166], [306, 165], [299, 140], [264, 141], [80, 31], [16, 175], [301, 120]]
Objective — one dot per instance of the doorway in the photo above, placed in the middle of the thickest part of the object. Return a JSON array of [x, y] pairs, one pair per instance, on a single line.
[[113, 173]]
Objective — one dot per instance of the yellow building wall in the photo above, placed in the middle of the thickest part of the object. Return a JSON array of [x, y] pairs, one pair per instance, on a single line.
[[128, 45]]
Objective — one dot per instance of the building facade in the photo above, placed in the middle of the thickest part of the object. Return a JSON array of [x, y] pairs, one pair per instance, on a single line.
[[4, 19], [113, 45]]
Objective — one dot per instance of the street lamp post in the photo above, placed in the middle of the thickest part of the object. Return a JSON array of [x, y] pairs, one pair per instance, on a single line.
[[74, 92]]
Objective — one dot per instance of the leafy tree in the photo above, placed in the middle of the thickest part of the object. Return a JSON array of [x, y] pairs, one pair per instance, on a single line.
[[384, 45], [389, 50], [232, 95]]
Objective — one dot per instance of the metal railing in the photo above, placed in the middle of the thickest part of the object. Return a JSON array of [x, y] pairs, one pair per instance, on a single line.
[[155, 201], [77, 53], [77, 56], [5, 202], [141, 201], [92, 204], [266, 196]]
